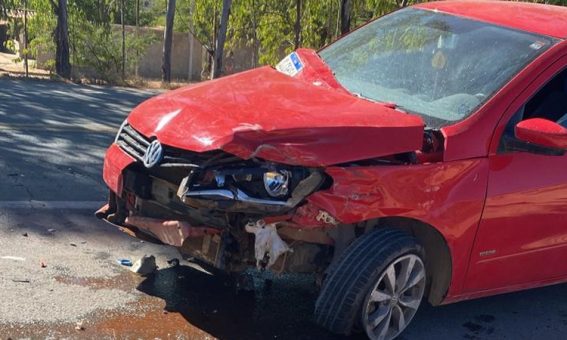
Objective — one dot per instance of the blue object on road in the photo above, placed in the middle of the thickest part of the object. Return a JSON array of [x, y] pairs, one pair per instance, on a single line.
[[124, 262]]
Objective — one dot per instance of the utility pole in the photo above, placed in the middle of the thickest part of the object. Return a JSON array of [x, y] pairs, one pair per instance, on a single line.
[[297, 27], [345, 16], [26, 37], [190, 37], [168, 41], [137, 33], [123, 40], [219, 48]]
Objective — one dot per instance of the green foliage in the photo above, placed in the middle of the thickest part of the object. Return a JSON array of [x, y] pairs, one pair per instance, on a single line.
[[95, 42], [10, 46], [96, 49], [263, 28]]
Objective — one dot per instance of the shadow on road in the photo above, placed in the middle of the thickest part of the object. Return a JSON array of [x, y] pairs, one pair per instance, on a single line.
[[210, 302], [285, 310], [47, 151]]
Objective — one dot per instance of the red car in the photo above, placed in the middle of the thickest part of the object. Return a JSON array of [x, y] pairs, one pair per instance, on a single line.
[[422, 155]]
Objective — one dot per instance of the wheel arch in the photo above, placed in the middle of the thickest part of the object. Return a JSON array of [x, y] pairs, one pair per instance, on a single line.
[[438, 260]]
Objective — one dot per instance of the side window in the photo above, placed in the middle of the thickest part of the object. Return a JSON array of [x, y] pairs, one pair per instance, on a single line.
[[550, 102]]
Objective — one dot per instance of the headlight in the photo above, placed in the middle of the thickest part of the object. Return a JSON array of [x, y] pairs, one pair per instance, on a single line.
[[276, 183], [254, 189]]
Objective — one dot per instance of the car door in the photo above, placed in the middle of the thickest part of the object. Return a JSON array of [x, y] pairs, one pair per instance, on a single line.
[[522, 237]]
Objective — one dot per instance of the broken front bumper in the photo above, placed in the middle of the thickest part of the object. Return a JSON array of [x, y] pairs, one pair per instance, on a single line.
[[158, 205]]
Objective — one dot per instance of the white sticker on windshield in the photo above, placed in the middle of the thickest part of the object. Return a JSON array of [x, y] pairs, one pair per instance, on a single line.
[[290, 65], [537, 45]]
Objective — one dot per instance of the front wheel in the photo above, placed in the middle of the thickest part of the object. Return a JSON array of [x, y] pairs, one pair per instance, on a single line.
[[377, 284]]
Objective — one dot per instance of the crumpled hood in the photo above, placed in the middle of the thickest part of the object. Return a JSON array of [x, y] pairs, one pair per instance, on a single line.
[[263, 113]]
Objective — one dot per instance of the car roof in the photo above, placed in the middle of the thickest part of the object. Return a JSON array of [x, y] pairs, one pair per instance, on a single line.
[[536, 18]]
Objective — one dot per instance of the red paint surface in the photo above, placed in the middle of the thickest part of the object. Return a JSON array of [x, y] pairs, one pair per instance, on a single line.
[[543, 132], [115, 162], [266, 114], [535, 18], [316, 72], [478, 199]]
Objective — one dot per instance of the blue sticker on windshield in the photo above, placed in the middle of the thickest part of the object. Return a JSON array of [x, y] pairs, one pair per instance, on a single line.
[[295, 60]]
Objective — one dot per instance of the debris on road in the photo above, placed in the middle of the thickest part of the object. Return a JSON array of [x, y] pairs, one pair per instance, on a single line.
[[124, 262], [145, 265], [42, 263], [73, 244], [14, 258], [79, 326], [51, 230], [174, 262], [25, 234], [21, 280]]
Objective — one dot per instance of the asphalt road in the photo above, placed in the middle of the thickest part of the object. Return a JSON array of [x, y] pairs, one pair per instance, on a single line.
[[52, 140]]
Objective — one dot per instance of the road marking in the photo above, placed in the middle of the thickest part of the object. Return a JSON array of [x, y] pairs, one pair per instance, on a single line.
[[14, 258], [69, 205], [91, 127]]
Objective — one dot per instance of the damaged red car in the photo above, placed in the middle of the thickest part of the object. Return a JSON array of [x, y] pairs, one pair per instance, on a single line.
[[420, 156]]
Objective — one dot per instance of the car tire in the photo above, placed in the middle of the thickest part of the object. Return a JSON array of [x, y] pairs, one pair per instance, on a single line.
[[361, 289]]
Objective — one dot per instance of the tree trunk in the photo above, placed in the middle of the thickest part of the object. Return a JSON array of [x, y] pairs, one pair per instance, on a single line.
[[221, 37], [256, 41], [62, 64], [345, 16], [167, 42], [123, 40], [26, 38], [137, 35], [297, 27]]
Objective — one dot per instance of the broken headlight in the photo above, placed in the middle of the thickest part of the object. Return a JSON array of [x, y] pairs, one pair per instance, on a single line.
[[250, 187], [276, 183], [260, 182]]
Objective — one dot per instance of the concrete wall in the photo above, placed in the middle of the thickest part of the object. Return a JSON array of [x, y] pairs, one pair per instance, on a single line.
[[186, 55]]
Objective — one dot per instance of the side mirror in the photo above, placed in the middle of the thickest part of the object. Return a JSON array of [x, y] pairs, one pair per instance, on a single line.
[[542, 132]]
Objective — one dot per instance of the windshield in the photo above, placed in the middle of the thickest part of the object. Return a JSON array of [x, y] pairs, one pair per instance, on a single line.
[[439, 66]]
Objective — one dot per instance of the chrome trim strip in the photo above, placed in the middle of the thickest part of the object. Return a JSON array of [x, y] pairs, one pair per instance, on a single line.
[[239, 196]]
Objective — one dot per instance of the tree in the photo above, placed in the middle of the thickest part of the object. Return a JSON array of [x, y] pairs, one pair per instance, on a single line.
[[61, 37], [221, 38], [297, 26], [345, 16], [167, 41]]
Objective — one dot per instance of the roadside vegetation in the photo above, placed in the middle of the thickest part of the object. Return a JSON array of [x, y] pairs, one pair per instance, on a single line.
[[99, 39]]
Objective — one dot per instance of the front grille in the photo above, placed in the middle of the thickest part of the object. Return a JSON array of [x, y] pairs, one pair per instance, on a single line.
[[131, 141], [135, 144]]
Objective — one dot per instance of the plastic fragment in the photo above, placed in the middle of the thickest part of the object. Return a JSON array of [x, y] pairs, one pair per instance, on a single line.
[[267, 242], [145, 265], [174, 262], [124, 262]]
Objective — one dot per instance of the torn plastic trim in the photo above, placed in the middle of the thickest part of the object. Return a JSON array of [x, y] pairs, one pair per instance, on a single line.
[[169, 232], [268, 245]]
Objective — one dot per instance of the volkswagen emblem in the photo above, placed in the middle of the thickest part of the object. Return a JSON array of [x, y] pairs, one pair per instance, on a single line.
[[153, 155]]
